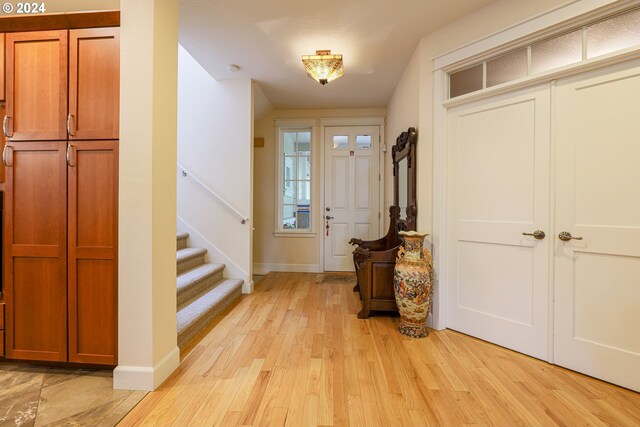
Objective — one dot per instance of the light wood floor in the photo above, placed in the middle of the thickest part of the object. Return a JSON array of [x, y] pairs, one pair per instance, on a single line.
[[294, 354]]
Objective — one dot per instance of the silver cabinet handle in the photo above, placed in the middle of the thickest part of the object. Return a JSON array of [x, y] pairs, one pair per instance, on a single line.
[[538, 234], [5, 121], [69, 116], [565, 236], [70, 161], [5, 156]]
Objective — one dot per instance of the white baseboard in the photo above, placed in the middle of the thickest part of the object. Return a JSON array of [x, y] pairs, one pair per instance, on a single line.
[[247, 288], [146, 377], [264, 268]]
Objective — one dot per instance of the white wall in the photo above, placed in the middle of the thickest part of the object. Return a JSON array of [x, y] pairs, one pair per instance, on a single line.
[[277, 253], [215, 143], [402, 113], [147, 341]]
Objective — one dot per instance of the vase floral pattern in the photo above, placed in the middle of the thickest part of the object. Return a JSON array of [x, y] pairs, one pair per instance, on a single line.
[[413, 285]]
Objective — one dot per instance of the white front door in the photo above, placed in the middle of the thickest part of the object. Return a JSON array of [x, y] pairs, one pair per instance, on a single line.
[[597, 278], [351, 191], [498, 189]]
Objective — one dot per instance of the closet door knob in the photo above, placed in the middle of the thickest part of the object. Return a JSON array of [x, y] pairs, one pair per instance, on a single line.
[[538, 234], [565, 236]]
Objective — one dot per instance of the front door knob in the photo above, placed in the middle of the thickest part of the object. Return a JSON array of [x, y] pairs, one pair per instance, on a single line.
[[565, 236], [328, 217], [538, 234]]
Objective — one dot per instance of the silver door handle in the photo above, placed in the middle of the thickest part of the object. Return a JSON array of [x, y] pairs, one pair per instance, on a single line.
[[69, 155], [538, 234], [4, 126], [565, 236], [5, 156], [69, 116]]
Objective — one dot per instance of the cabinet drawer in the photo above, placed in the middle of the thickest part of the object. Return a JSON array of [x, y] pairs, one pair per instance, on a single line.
[[1, 316]]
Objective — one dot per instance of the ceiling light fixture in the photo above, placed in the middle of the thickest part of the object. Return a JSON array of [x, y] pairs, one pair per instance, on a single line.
[[323, 67]]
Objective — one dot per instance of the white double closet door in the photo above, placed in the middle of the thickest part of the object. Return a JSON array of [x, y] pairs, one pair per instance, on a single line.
[[575, 303]]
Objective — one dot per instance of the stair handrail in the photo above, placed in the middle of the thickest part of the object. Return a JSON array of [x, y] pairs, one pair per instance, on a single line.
[[219, 198]]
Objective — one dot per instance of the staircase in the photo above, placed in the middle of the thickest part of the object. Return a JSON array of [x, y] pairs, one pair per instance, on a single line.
[[202, 290]]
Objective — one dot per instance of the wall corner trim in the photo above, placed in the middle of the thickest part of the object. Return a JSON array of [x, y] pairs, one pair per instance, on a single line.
[[145, 377]]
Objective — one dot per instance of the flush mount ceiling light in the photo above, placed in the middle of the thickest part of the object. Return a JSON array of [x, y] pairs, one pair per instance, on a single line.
[[323, 67]]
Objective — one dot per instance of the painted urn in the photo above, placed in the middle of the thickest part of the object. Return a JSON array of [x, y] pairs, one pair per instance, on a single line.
[[413, 284]]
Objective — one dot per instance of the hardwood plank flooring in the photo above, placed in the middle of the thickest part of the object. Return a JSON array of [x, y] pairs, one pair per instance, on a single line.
[[294, 354]]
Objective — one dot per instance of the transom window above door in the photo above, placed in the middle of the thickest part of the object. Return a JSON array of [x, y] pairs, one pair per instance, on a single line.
[[564, 49]]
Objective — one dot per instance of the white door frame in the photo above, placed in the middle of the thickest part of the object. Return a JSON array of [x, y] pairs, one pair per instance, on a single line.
[[348, 121], [565, 16]]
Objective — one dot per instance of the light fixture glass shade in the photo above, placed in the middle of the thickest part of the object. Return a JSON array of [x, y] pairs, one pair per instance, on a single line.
[[323, 67]]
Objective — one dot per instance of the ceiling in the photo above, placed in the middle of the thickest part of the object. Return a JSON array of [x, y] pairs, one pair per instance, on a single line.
[[267, 38]]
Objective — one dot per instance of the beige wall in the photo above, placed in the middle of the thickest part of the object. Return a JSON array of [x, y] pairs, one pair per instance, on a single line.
[[292, 253]]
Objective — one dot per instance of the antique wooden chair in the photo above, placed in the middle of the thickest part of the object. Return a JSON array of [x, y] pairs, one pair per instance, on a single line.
[[375, 260]]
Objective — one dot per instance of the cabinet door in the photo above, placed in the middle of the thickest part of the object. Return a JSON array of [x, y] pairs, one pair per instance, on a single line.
[[94, 83], [2, 143], [36, 72], [93, 213], [2, 68], [35, 231]]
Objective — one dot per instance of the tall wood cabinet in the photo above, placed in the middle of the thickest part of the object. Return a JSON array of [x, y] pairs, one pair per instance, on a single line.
[[60, 216]]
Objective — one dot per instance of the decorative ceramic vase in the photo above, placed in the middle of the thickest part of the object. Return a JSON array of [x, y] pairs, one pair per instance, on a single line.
[[413, 285]]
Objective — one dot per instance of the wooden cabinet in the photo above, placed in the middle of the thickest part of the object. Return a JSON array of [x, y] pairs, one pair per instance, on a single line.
[[35, 234], [2, 144], [2, 68], [93, 218], [61, 192], [94, 82], [1, 329], [36, 73]]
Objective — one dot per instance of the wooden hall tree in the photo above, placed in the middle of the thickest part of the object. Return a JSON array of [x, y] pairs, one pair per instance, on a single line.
[[61, 195]]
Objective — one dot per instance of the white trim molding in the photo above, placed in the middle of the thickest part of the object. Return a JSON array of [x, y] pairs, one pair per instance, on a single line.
[[146, 377]]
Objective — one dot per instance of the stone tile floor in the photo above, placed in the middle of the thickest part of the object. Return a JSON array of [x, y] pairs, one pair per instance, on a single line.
[[46, 396]]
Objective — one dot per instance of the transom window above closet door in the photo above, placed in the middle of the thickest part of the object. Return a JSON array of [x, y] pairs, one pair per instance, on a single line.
[[602, 37]]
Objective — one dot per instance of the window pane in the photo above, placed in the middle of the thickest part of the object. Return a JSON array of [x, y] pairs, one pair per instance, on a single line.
[[304, 143], [304, 194], [289, 193], [288, 217], [289, 143], [304, 167], [465, 81], [616, 33], [507, 67], [340, 142], [304, 220], [363, 142], [556, 52], [289, 168]]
